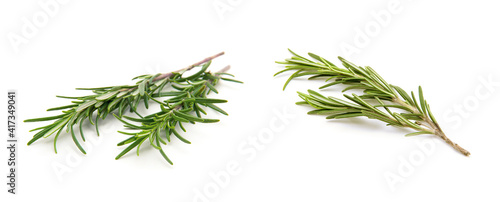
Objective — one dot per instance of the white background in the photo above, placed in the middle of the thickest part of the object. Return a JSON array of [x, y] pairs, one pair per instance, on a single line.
[[448, 47]]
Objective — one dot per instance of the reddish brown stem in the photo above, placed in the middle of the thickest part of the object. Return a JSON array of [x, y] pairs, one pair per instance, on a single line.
[[223, 70], [451, 143], [434, 127], [169, 74]]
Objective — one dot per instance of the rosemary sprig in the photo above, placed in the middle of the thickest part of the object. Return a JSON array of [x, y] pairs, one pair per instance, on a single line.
[[105, 100], [415, 111], [187, 96]]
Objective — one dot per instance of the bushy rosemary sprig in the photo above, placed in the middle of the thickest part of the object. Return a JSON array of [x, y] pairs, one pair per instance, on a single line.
[[106, 100], [376, 102], [186, 97]]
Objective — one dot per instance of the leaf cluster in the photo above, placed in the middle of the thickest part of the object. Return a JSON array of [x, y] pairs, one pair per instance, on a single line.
[[377, 101], [189, 94], [102, 101]]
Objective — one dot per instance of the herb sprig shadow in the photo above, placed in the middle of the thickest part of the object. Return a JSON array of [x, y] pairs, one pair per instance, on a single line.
[[416, 113], [115, 99]]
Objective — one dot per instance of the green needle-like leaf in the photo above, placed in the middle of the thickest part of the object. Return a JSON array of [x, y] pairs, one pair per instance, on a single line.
[[130, 147], [418, 133], [106, 96], [209, 100], [46, 118], [76, 141]]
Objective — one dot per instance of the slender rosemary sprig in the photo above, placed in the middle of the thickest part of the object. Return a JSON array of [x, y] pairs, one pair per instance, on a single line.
[[187, 96], [415, 113], [105, 100]]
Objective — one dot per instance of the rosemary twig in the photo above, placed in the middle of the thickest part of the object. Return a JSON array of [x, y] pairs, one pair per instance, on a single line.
[[187, 96], [105, 100], [416, 113]]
